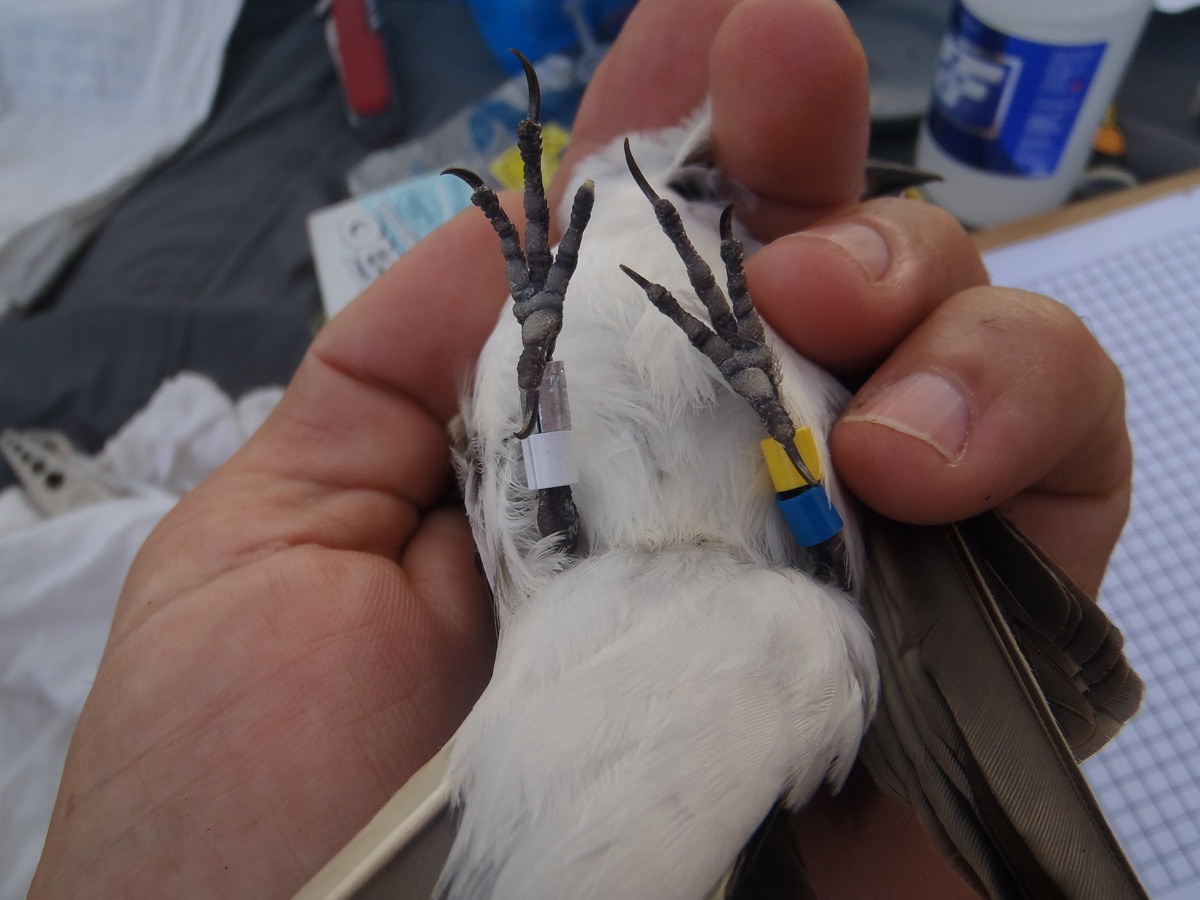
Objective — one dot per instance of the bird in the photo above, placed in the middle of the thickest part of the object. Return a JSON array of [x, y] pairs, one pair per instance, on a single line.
[[698, 628]]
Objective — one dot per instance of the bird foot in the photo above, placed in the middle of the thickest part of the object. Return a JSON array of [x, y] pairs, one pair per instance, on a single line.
[[538, 280], [736, 341]]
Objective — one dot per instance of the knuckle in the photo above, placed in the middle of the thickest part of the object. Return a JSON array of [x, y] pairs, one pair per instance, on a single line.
[[1066, 340], [936, 256], [1042, 356]]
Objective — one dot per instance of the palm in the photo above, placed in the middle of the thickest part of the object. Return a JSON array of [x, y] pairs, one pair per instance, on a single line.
[[274, 689]]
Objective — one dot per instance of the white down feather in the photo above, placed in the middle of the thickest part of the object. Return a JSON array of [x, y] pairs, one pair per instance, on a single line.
[[654, 696]]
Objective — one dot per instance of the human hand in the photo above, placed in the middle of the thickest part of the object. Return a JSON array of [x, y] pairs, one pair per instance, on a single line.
[[306, 628], [1027, 412]]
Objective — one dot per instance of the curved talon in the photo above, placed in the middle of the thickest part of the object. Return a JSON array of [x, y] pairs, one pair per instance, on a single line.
[[727, 223], [473, 181], [793, 454], [531, 416], [535, 89], [638, 176]]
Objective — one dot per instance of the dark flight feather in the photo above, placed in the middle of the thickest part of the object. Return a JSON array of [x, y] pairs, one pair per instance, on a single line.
[[997, 675]]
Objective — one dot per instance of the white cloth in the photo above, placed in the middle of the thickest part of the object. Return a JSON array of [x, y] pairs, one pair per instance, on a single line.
[[92, 93], [59, 581]]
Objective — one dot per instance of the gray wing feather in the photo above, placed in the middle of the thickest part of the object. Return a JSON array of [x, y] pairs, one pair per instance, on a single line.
[[1076, 653], [981, 669]]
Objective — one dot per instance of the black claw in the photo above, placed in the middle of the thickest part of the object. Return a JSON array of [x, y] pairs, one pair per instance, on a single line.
[[703, 338], [535, 89], [727, 223], [529, 422], [638, 176], [537, 212], [699, 274], [637, 279], [516, 267], [473, 181], [749, 325]]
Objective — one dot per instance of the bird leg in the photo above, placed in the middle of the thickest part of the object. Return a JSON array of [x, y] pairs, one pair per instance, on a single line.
[[538, 280], [736, 342]]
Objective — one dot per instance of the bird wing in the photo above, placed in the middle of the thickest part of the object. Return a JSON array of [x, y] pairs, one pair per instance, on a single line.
[[996, 676]]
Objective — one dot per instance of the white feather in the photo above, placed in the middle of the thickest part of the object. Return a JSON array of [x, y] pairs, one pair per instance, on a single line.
[[655, 696]]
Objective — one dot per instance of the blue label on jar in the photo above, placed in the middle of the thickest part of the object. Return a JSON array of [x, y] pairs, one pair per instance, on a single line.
[[1005, 104]]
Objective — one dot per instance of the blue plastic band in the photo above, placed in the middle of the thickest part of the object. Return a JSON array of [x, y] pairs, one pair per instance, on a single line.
[[810, 516]]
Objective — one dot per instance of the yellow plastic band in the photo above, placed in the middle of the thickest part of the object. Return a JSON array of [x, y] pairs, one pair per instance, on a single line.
[[783, 474]]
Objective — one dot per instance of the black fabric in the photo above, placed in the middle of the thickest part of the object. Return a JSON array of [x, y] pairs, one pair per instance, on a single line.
[[1157, 97]]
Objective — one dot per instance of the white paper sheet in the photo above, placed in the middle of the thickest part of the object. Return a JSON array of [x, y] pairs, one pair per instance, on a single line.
[[92, 93], [1134, 277]]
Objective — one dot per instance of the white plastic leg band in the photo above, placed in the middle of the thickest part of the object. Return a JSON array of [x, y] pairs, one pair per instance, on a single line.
[[549, 460]]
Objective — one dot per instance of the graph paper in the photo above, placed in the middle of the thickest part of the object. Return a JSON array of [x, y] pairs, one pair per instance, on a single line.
[[1134, 278]]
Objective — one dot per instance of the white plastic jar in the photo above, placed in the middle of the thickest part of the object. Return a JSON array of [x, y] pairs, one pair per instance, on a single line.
[[1020, 90]]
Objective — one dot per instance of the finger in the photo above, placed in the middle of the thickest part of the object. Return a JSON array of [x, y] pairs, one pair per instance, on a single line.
[[790, 110], [848, 290], [999, 398], [1044, 403], [654, 75], [789, 91]]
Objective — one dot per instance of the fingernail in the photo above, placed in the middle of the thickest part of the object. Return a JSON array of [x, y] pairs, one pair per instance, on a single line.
[[926, 405], [862, 242]]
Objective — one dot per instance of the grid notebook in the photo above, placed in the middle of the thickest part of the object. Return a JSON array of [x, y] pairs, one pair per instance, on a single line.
[[1134, 277]]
